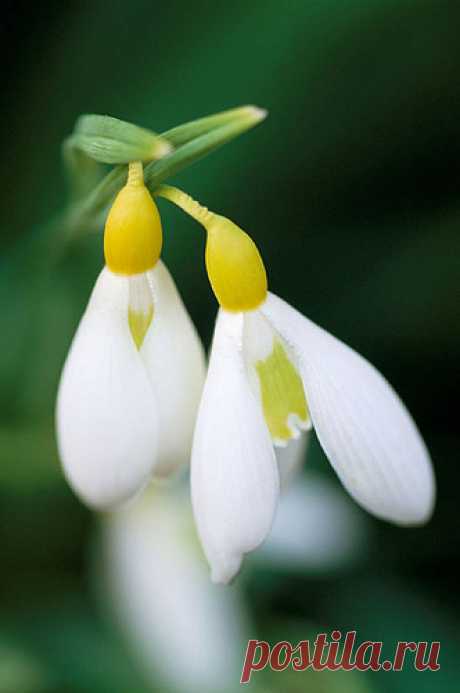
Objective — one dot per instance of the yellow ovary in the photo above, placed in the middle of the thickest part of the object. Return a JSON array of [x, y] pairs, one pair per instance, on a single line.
[[282, 393], [235, 268], [133, 234]]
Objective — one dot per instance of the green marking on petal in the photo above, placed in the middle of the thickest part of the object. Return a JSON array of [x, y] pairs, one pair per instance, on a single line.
[[282, 392], [139, 323]]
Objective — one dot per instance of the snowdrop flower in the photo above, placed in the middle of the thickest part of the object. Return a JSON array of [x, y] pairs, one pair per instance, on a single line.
[[273, 373], [183, 629], [131, 383]]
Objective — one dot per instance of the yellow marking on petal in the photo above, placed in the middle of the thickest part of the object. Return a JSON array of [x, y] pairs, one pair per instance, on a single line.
[[282, 392], [133, 235], [139, 323]]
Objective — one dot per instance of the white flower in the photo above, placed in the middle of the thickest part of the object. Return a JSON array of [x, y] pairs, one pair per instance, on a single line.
[[189, 632], [272, 373], [132, 380], [363, 427]]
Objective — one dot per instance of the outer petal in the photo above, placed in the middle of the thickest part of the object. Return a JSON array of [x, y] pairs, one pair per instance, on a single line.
[[106, 410], [235, 481], [191, 633], [175, 361], [362, 425]]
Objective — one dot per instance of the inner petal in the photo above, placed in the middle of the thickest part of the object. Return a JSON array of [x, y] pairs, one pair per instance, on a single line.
[[275, 378], [140, 309]]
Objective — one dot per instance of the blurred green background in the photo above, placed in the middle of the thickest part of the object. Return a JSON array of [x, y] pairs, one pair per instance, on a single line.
[[351, 189]]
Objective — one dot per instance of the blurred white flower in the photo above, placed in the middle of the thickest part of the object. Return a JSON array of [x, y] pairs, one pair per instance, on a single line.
[[182, 628], [316, 527], [191, 633]]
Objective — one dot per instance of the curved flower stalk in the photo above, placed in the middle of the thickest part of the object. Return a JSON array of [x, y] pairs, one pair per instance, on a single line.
[[131, 383], [189, 632], [273, 373]]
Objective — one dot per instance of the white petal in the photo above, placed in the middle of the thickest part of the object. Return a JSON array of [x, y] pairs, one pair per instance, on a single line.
[[235, 482], [106, 411], [362, 425], [175, 361], [159, 588]]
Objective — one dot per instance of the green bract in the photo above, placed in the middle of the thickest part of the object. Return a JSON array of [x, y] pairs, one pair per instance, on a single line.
[[184, 133], [112, 141]]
